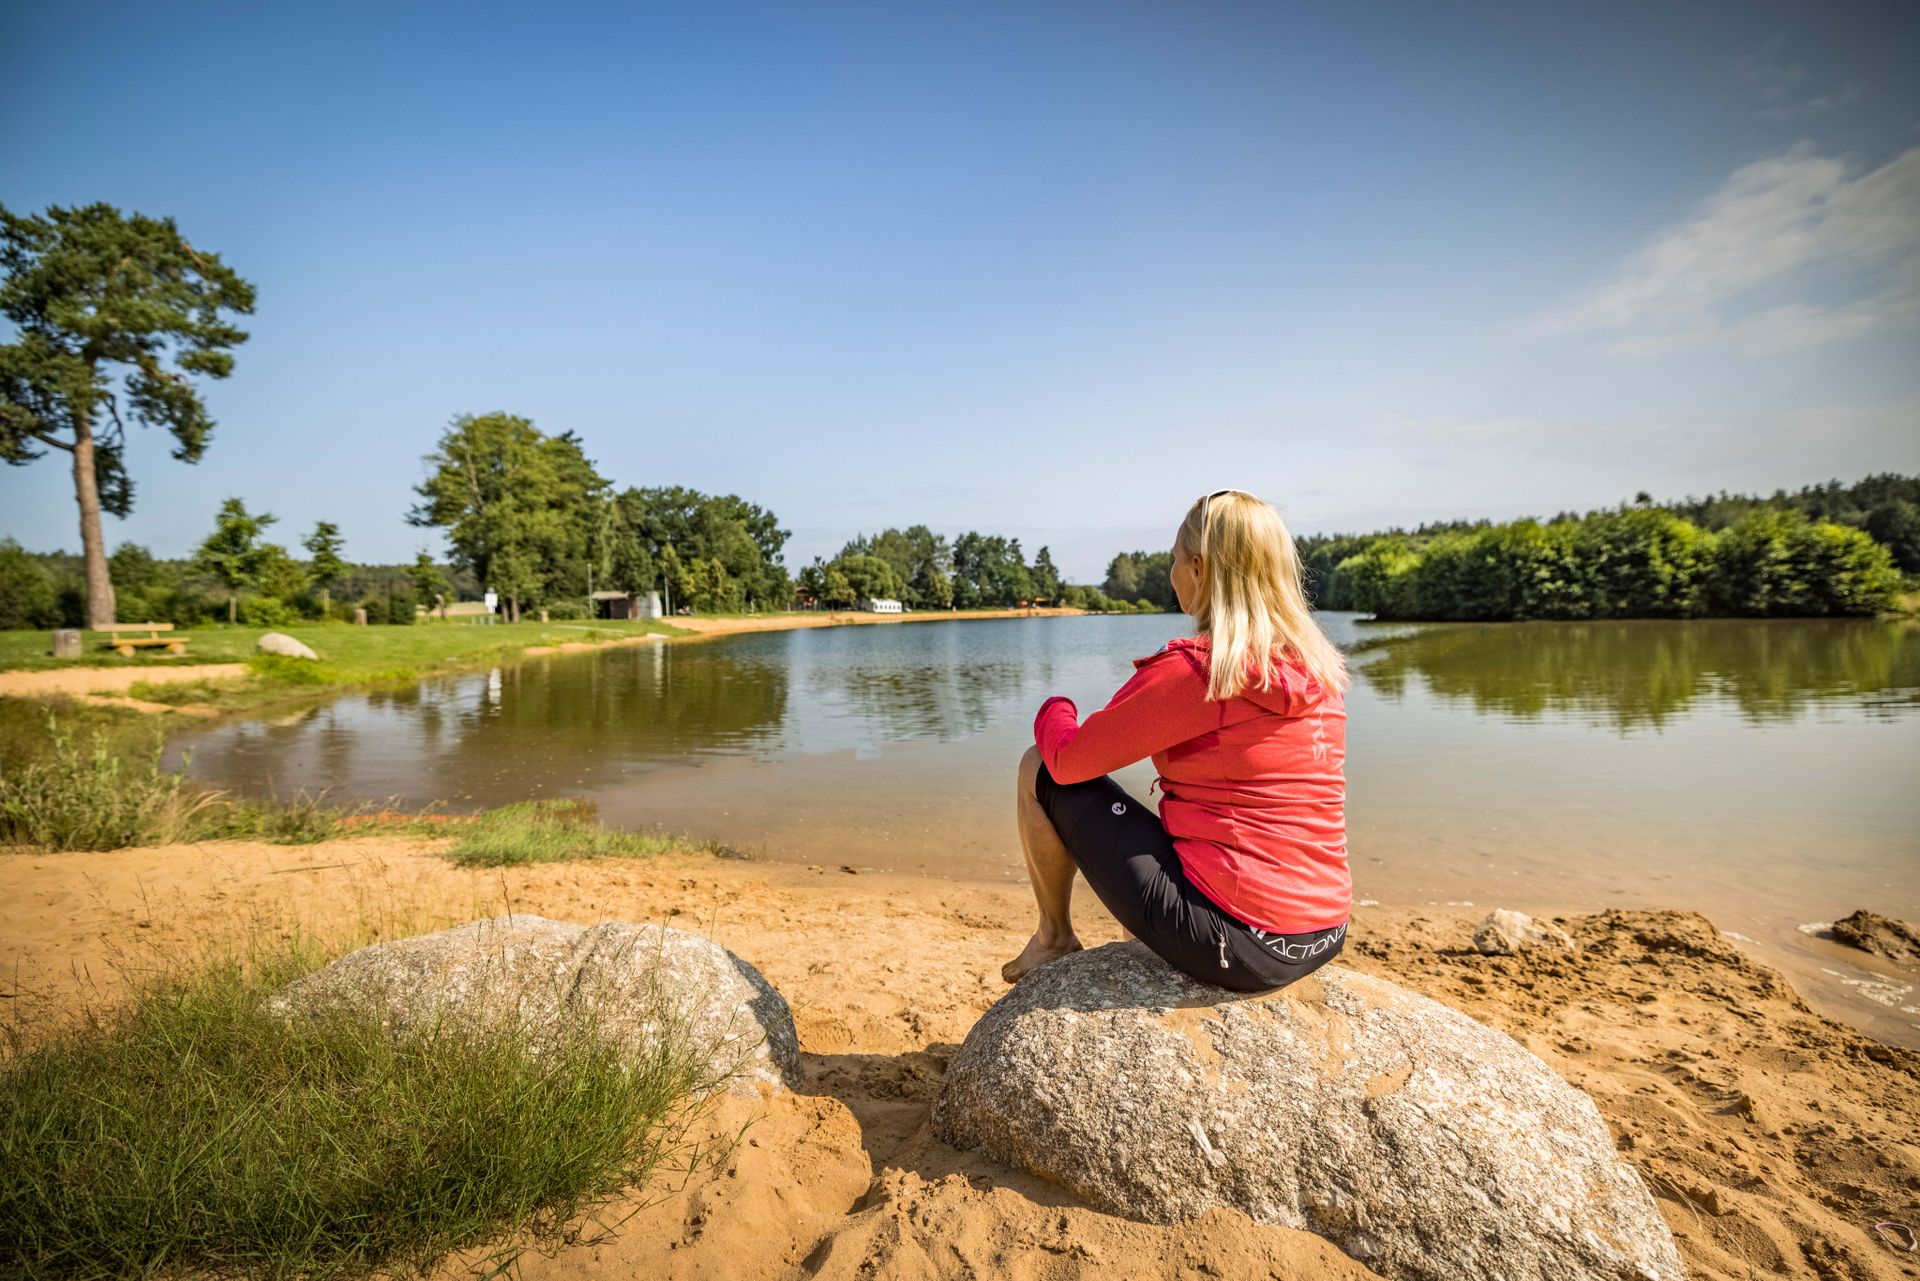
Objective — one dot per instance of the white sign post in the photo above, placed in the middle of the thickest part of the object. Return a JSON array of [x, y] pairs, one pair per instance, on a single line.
[[492, 601]]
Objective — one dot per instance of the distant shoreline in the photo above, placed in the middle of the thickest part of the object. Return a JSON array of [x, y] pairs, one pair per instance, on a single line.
[[230, 685], [735, 624]]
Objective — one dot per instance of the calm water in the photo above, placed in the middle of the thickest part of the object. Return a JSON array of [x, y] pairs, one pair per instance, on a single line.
[[1761, 772]]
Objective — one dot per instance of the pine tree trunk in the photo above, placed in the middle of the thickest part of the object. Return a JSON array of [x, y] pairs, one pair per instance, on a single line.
[[326, 605], [93, 544], [233, 608]]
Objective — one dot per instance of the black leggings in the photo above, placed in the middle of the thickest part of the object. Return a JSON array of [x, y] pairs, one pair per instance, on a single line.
[[1129, 860]]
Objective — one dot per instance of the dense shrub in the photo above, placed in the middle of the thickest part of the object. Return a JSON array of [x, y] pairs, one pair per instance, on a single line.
[[265, 611], [1780, 563], [29, 597], [1896, 526], [394, 608], [1644, 563]]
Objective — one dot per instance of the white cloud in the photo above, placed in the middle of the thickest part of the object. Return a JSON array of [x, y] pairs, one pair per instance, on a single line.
[[1845, 246]]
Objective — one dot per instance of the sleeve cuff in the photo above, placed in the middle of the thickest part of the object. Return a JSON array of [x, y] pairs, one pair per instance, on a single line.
[[1041, 715]]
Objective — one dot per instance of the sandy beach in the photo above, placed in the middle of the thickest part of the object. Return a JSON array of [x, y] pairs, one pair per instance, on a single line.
[[1774, 1139], [848, 618]]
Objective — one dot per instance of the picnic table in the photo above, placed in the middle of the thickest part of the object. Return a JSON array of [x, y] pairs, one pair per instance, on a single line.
[[126, 645]]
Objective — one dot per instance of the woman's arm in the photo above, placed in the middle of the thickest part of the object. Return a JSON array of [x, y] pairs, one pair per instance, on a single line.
[[1163, 704]]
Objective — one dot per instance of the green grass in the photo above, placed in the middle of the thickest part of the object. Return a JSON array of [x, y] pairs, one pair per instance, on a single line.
[[98, 785], [348, 654], [87, 778], [189, 1131], [555, 831]]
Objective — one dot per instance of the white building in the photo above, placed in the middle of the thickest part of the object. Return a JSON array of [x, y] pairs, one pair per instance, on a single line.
[[881, 605]]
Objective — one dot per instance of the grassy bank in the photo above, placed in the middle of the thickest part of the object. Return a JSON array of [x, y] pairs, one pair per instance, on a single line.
[[190, 1131], [350, 657], [89, 778], [348, 653]]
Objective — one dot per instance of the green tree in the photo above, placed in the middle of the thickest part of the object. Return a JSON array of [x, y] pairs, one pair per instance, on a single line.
[[324, 563], [1379, 580], [233, 554], [921, 561], [426, 577], [837, 590], [28, 595], [111, 317], [1138, 575], [281, 576], [133, 568], [518, 506], [1775, 562], [1895, 525], [1046, 579], [676, 577], [746, 539], [869, 577]]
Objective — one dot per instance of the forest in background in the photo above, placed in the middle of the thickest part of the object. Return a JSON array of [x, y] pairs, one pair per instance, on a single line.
[[1830, 548]]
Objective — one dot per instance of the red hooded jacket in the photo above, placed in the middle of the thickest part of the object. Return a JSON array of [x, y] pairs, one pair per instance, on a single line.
[[1253, 790]]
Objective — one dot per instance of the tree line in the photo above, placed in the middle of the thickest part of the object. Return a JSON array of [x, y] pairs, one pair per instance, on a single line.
[[924, 570], [1827, 549]]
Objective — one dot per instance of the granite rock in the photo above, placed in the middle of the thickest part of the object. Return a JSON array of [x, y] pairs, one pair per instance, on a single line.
[[284, 645], [1423, 1143], [634, 980]]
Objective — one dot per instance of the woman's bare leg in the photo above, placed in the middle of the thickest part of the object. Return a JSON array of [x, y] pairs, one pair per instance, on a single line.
[[1050, 870]]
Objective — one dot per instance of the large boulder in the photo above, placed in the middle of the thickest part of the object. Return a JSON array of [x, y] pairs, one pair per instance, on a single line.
[[284, 645], [635, 981], [1423, 1143]]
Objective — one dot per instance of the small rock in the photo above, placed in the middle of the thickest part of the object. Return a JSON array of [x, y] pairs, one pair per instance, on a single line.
[[1881, 935], [1505, 932], [284, 645]]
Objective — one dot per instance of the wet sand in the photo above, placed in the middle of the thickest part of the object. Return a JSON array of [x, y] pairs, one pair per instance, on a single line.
[[1774, 1139]]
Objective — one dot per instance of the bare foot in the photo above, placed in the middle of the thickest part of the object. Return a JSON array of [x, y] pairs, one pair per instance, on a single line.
[[1037, 953]]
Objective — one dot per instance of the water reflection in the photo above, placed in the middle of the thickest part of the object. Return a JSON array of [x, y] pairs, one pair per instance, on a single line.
[[591, 721], [1648, 674], [511, 733]]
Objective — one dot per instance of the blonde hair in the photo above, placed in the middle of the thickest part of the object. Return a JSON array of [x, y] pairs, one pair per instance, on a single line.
[[1252, 600]]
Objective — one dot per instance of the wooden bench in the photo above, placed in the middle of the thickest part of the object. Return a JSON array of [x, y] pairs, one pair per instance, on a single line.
[[126, 645]]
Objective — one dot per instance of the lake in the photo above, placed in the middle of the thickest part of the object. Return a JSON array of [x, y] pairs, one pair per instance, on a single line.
[[1766, 773]]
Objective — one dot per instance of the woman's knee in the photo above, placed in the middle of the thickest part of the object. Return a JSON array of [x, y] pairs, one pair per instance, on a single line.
[[1030, 764]]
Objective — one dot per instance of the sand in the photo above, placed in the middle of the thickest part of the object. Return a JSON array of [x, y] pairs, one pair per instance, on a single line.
[[108, 686], [848, 618], [1774, 1138]]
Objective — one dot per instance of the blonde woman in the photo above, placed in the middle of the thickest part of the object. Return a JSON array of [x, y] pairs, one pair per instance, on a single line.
[[1241, 880]]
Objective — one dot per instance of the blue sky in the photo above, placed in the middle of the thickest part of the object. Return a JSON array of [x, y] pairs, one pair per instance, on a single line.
[[1046, 270]]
